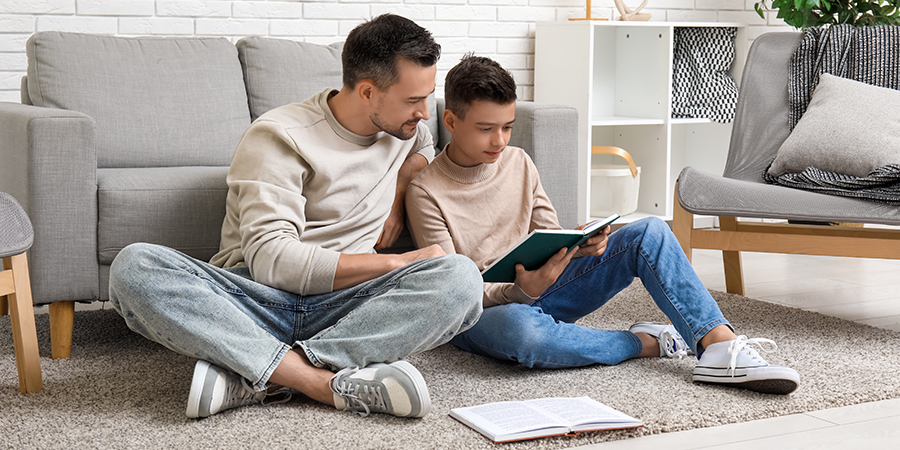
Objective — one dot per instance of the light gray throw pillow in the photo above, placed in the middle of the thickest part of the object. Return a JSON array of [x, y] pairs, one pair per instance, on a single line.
[[849, 127]]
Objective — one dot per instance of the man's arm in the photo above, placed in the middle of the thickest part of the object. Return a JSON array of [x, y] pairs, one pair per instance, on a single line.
[[355, 269], [394, 224]]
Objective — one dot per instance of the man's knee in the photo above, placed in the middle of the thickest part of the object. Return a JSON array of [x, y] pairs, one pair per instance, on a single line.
[[461, 287], [129, 269]]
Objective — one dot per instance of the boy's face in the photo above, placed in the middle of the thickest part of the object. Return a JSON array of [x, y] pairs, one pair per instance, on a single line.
[[399, 109], [482, 136]]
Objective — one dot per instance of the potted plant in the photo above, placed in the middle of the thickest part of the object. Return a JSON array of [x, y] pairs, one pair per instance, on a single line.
[[812, 13]]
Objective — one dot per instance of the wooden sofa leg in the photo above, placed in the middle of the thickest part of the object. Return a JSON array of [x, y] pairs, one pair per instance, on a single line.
[[62, 320], [4, 305], [682, 226], [734, 271]]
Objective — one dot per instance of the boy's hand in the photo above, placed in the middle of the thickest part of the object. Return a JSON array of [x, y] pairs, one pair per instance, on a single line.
[[535, 282], [596, 245]]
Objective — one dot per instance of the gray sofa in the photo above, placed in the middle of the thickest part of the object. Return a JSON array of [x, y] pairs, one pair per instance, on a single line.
[[122, 140]]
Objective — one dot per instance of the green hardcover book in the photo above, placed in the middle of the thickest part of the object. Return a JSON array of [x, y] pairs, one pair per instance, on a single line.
[[536, 248]]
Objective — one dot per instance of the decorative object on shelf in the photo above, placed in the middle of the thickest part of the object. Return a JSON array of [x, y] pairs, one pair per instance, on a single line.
[[626, 13], [812, 13], [587, 10], [701, 85], [614, 187]]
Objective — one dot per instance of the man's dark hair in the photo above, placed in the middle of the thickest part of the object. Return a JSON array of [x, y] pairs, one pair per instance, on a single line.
[[373, 48], [477, 78]]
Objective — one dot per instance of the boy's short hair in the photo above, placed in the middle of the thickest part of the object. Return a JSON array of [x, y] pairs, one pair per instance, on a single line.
[[477, 78], [372, 49]]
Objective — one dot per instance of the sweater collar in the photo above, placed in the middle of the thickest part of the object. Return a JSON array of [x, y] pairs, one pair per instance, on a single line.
[[345, 134], [464, 175]]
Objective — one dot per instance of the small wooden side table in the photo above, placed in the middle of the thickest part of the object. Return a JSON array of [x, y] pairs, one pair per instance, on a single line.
[[16, 236]]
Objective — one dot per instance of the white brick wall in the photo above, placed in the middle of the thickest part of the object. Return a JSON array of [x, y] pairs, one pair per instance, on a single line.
[[501, 29]]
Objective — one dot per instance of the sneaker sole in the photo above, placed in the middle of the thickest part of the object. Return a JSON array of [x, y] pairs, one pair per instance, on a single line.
[[193, 405], [418, 383], [766, 380]]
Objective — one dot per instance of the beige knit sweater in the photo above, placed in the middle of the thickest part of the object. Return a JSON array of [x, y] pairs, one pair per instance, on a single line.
[[480, 211], [302, 189]]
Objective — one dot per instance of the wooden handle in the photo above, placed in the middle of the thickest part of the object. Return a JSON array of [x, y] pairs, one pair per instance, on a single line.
[[608, 150]]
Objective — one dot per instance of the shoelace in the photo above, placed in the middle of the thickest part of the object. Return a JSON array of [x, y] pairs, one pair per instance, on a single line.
[[741, 342], [670, 344], [360, 402], [240, 394]]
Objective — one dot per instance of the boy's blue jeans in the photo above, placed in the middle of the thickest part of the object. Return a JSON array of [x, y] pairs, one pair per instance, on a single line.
[[544, 334], [223, 317]]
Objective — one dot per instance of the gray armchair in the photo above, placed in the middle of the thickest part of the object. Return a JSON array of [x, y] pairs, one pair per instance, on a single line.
[[760, 127], [123, 140]]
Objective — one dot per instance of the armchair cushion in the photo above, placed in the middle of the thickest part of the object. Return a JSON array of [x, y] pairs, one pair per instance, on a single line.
[[849, 127], [179, 207], [150, 97]]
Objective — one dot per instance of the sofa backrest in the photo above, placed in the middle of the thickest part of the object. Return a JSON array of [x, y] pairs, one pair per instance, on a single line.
[[761, 122], [279, 71], [157, 102]]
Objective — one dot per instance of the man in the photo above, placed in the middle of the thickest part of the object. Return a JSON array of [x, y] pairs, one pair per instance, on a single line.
[[454, 203], [297, 291]]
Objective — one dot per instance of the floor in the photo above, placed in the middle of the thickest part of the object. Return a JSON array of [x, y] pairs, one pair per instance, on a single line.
[[862, 290]]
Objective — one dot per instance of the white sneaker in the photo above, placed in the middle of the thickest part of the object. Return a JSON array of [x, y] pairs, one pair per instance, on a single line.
[[214, 390], [735, 363], [396, 388], [671, 344]]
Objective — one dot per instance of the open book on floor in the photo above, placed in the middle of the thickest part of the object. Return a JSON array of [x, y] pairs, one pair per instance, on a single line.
[[534, 250], [543, 417]]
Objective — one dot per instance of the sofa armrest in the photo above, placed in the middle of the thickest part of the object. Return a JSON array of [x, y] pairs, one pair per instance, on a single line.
[[48, 162], [549, 133]]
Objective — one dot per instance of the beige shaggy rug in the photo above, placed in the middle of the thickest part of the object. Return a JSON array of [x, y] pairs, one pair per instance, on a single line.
[[119, 390]]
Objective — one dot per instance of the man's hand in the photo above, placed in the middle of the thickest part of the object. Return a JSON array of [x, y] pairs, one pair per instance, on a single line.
[[535, 282], [596, 245], [422, 253], [394, 224]]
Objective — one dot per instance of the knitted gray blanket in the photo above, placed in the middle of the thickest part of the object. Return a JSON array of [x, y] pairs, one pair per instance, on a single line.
[[868, 54]]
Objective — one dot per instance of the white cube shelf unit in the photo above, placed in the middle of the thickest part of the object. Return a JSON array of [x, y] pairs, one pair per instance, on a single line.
[[618, 75]]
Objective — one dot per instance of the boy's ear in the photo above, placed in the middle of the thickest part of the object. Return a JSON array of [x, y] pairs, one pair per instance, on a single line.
[[450, 120]]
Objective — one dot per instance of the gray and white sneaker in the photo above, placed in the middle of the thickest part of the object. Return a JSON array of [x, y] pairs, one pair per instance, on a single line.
[[396, 388], [214, 390], [735, 363], [671, 344]]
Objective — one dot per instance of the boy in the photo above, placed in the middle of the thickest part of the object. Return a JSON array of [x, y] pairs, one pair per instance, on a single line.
[[480, 197]]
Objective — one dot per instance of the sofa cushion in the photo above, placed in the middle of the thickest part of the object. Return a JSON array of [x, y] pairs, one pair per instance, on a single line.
[[279, 71], [156, 101], [179, 207]]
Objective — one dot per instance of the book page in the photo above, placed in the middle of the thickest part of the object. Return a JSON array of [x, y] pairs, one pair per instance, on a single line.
[[507, 417], [582, 410]]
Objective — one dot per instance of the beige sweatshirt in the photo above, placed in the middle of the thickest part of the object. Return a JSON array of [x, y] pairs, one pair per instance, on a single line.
[[302, 189], [480, 211]]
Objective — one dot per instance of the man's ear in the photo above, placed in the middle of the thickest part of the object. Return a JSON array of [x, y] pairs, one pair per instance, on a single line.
[[365, 90], [450, 120]]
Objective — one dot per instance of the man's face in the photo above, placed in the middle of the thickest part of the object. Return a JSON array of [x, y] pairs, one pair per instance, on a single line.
[[483, 135], [399, 109]]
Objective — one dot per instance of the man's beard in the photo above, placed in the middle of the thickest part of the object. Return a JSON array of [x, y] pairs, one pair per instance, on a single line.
[[395, 132]]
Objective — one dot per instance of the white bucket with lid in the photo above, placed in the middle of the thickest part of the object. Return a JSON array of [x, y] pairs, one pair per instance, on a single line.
[[614, 187]]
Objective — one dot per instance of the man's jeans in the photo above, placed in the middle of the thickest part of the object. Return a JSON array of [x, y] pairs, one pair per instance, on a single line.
[[544, 334], [223, 317]]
